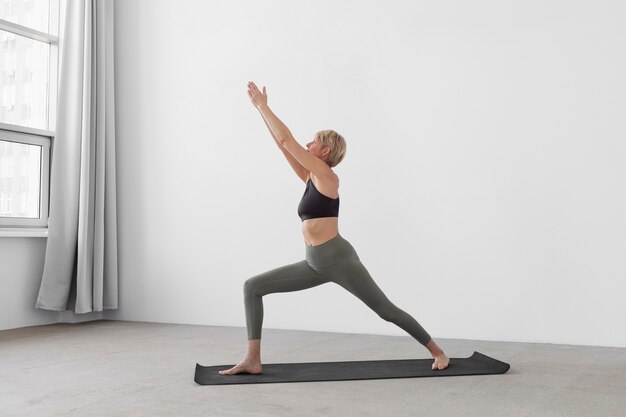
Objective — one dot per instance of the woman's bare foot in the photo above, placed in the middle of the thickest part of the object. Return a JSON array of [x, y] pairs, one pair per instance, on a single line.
[[441, 361], [245, 366]]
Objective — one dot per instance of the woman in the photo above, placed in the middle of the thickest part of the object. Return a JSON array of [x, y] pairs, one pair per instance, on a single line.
[[328, 256]]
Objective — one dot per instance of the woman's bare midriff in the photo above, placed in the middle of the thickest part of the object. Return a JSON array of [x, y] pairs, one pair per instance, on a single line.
[[322, 229]]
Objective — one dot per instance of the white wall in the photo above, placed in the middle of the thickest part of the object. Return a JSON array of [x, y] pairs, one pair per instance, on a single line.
[[483, 186], [21, 266]]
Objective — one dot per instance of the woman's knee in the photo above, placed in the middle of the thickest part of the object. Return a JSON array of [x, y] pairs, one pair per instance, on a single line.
[[389, 313], [249, 286]]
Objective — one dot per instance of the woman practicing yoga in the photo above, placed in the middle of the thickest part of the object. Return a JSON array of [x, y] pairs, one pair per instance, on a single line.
[[328, 256]]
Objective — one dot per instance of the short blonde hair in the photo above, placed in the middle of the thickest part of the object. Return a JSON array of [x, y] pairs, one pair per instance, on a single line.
[[336, 143]]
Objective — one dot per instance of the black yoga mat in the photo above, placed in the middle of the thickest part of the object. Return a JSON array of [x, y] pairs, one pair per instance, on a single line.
[[477, 364]]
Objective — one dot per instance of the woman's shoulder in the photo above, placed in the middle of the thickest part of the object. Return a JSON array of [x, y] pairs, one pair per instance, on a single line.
[[326, 184], [331, 177]]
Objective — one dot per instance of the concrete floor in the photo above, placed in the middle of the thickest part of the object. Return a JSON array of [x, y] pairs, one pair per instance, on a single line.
[[120, 368]]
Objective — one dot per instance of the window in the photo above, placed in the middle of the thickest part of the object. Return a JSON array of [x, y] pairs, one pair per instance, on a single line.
[[29, 51]]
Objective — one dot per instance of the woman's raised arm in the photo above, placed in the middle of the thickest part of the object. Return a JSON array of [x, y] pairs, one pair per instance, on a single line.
[[261, 99], [278, 129]]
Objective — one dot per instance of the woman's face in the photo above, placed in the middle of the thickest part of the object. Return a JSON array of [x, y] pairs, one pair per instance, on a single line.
[[315, 147]]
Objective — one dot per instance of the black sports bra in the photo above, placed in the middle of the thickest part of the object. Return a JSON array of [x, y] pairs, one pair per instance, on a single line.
[[315, 204]]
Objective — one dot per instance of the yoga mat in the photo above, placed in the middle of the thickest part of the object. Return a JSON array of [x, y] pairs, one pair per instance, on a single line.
[[477, 364]]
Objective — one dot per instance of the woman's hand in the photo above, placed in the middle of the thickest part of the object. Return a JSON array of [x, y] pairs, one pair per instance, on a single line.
[[258, 99]]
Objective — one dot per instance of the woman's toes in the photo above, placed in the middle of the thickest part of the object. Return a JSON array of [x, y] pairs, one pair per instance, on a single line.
[[230, 371], [242, 367]]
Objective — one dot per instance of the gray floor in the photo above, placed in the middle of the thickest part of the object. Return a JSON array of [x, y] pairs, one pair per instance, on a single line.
[[120, 368]]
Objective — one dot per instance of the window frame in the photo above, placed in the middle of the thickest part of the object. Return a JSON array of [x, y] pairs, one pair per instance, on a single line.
[[33, 136], [42, 140]]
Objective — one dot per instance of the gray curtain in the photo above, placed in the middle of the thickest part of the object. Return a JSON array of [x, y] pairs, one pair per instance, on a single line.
[[81, 251]]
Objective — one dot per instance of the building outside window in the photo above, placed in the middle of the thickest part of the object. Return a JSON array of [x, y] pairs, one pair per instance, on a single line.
[[29, 69]]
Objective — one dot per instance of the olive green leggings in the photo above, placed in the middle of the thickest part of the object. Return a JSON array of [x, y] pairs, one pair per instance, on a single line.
[[334, 260]]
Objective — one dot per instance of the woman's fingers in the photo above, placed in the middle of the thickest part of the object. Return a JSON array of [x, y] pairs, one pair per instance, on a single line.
[[253, 90], [253, 86]]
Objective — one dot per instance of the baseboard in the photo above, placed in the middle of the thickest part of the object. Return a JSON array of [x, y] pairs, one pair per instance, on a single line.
[[71, 317]]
